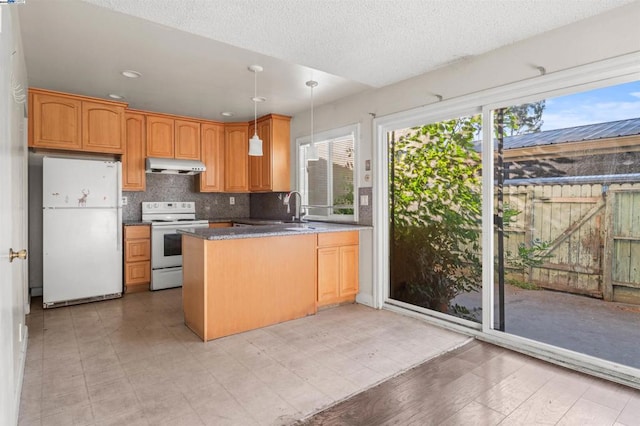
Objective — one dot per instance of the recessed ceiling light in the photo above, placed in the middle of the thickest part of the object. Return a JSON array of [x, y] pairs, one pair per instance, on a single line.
[[226, 114], [131, 74], [114, 96], [258, 99]]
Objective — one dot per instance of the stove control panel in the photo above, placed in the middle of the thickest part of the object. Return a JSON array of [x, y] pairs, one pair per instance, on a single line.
[[169, 207]]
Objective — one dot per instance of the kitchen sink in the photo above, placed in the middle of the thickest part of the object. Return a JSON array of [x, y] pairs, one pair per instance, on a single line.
[[302, 226]]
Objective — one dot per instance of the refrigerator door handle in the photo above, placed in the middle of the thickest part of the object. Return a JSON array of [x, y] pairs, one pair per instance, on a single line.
[[119, 204], [119, 236]]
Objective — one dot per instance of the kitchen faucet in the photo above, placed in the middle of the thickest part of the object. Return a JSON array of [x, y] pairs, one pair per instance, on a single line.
[[298, 206]]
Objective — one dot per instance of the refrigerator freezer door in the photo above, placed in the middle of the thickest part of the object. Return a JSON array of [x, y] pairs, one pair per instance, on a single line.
[[70, 183], [82, 255]]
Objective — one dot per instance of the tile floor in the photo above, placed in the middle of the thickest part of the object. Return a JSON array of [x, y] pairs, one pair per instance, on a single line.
[[131, 361]]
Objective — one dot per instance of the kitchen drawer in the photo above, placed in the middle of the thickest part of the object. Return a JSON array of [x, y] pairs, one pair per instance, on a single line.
[[137, 273], [137, 250], [338, 238], [137, 231]]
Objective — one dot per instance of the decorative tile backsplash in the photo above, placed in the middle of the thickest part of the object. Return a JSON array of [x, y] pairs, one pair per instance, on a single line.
[[365, 213], [216, 205], [270, 206], [182, 188]]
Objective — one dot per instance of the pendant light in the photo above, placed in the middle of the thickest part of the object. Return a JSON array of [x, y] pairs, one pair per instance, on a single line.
[[312, 151], [255, 143]]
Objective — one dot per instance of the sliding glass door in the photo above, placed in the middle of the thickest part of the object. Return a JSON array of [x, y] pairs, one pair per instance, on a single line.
[[557, 268], [568, 221], [435, 210]]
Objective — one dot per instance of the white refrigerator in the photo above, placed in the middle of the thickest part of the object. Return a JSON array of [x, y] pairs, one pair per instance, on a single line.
[[82, 231]]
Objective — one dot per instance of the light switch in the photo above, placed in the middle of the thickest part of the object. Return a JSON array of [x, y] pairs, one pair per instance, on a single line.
[[364, 200]]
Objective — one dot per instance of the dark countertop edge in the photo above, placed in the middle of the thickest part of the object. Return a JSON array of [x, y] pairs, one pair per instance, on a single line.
[[258, 222], [264, 221], [220, 234]]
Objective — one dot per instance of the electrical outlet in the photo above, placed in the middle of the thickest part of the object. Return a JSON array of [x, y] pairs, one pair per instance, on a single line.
[[125, 201], [364, 200], [232, 200]]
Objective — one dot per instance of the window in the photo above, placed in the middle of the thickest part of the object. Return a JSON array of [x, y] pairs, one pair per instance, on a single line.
[[327, 185]]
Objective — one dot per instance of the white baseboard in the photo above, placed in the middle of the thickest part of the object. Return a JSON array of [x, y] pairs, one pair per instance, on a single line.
[[365, 299]]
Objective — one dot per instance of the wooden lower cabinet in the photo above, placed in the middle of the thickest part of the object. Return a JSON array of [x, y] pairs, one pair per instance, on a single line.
[[337, 257], [222, 294], [137, 258]]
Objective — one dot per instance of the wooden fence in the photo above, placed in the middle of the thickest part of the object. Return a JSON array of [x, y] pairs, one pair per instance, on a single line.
[[593, 232]]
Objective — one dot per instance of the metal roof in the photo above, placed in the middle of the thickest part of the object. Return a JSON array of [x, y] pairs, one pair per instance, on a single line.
[[611, 129], [577, 180]]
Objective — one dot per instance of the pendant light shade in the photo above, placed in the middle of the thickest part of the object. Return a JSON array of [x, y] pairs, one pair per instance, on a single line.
[[312, 151], [255, 146], [255, 143]]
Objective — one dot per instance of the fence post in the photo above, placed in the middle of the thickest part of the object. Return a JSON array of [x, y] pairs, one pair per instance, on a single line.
[[528, 227], [607, 253]]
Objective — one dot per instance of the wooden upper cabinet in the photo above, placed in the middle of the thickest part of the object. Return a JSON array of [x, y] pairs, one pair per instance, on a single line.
[[271, 171], [236, 153], [187, 140], [133, 159], [102, 127], [160, 136], [212, 151], [172, 138], [55, 121], [78, 123], [255, 164], [260, 167]]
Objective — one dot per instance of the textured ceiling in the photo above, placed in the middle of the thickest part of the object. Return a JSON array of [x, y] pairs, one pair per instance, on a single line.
[[375, 42], [193, 54]]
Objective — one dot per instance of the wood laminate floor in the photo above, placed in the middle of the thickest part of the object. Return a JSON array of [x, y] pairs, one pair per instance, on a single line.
[[482, 384]]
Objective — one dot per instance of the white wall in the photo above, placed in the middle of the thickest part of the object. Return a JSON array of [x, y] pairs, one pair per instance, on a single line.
[[609, 35]]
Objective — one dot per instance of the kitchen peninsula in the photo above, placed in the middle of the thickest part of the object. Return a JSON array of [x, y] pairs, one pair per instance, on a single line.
[[240, 279]]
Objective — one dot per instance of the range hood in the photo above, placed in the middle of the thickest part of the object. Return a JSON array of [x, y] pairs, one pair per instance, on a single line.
[[174, 167]]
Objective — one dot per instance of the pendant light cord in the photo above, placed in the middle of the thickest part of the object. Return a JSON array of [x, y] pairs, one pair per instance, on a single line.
[[255, 103], [311, 115]]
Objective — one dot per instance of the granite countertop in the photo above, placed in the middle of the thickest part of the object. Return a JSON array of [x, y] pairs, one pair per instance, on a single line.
[[284, 229]]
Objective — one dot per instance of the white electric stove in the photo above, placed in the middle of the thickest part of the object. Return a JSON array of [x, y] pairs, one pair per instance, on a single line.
[[166, 219]]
